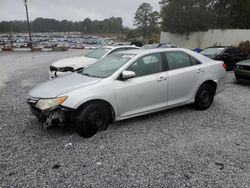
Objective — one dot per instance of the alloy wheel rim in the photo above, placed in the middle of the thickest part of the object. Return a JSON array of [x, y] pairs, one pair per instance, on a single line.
[[205, 97], [96, 119]]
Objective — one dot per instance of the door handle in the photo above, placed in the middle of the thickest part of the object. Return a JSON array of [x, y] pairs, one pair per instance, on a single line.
[[162, 78], [199, 71]]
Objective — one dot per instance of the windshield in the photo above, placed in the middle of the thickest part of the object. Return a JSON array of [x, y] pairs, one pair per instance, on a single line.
[[107, 66], [212, 51], [99, 53]]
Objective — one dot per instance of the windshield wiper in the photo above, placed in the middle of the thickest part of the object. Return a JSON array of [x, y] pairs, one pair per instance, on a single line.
[[89, 75], [85, 74]]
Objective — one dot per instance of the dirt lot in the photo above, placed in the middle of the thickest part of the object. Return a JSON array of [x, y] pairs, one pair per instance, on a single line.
[[181, 147]]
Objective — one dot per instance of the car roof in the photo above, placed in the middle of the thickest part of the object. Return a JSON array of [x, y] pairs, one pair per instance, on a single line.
[[154, 50], [217, 47], [142, 52]]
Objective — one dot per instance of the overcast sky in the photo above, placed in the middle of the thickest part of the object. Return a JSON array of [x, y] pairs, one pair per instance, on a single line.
[[74, 10]]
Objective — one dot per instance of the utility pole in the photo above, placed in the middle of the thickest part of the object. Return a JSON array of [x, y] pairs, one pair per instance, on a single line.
[[27, 15]]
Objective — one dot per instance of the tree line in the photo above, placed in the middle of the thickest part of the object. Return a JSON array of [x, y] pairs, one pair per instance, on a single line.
[[186, 16], [175, 16], [182, 16], [147, 22], [110, 25]]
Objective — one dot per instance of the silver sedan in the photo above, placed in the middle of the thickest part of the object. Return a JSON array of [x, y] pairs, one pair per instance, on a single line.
[[128, 84]]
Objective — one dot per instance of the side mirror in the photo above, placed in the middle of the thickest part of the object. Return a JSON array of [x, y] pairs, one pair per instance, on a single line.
[[128, 74]]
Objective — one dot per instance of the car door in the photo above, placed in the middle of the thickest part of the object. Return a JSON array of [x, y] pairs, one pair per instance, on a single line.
[[184, 76], [145, 92]]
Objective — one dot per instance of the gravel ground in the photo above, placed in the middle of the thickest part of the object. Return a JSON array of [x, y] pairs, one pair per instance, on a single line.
[[181, 147]]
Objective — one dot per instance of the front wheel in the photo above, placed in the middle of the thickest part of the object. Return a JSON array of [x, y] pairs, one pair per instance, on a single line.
[[92, 118], [204, 97], [237, 78]]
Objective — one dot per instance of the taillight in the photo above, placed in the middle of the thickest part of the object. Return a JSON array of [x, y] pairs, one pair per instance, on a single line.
[[225, 66]]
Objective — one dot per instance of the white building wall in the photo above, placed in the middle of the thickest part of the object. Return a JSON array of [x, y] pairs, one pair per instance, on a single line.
[[205, 39]]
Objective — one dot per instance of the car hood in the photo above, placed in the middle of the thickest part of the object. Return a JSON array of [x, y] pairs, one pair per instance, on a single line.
[[58, 86], [210, 56], [245, 63], [75, 62]]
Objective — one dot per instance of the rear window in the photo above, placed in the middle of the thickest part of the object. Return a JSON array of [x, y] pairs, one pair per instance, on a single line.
[[212, 51], [177, 60]]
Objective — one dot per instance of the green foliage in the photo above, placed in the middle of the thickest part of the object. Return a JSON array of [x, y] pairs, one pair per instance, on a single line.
[[111, 25], [13, 26], [146, 20], [245, 46], [182, 16], [142, 15], [240, 13], [154, 23], [132, 34]]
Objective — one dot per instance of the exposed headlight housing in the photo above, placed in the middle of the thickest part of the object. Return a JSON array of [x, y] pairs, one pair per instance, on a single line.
[[44, 104], [61, 69]]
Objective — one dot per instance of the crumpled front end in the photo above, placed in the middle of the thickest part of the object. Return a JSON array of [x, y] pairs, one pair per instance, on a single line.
[[51, 116], [60, 71]]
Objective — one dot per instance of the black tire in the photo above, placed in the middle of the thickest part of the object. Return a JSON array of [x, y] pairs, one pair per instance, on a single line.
[[92, 118], [237, 78], [204, 97]]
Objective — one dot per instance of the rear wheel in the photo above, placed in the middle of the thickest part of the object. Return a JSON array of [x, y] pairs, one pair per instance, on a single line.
[[92, 118], [204, 97]]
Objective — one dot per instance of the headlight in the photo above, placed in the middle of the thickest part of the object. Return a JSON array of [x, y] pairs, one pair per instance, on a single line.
[[237, 67], [44, 104], [65, 69]]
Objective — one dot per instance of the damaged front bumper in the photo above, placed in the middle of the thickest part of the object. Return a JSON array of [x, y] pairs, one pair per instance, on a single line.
[[55, 74], [49, 117]]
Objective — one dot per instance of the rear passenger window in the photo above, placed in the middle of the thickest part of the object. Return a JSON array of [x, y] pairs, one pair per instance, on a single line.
[[194, 61], [177, 60]]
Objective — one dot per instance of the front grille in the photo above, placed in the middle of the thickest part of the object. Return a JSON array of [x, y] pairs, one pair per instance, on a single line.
[[243, 67]]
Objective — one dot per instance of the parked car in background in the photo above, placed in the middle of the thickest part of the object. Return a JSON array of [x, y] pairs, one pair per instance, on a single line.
[[69, 65], [242, 70], [136, 43], [158, 45], [151, 46], [128, 84], [198, 50], [229, 55], [168, 46]]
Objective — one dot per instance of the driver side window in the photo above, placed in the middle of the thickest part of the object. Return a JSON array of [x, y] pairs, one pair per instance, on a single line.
[[147, 65]]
